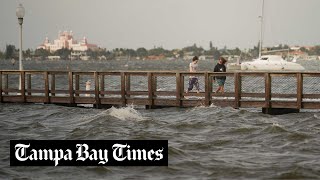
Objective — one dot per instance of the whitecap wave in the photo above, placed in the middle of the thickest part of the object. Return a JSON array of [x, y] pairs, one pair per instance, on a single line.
[[275, 124], [126, 113]]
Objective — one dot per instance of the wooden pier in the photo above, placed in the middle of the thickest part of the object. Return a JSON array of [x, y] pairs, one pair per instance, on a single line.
[[267, 90]]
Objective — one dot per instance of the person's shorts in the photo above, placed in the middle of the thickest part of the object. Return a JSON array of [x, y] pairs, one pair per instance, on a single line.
[[221, 82]]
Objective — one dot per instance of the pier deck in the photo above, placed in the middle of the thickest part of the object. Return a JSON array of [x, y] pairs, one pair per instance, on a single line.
[[267, 90]]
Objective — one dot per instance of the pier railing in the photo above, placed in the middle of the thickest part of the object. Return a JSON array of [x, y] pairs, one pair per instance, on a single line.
[[295, 90]]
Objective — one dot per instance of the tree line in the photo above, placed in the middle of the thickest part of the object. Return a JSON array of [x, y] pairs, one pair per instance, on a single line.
[[11, 52]]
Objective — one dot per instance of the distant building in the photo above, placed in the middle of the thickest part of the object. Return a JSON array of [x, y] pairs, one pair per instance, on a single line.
[[65, 40], [54, 57]]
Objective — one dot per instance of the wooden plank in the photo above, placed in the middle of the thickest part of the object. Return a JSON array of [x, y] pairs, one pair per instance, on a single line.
[[70, 75], [29, 84], [6, 83], [101, 85], [59, 92], [12, 98], [0, 86], [56, 100], [253, 95], [226, 94], [311, 74], [53, 85], [283, 104], [84, 92], [127, 85], [137, 73], [251, 104], [46, 87], [110, 92], [111, 101], [110, 73], [284, 95], [179, 89], [77, 84], [223, 103], [150, 89], [96, 88], [311, 96], [139, 101], [311, 105], [275, 74], [237, 90], [165, 93], [267, 91], [84, 100], [164, 102], [35, 99], [193, 103], [7, 91], [207, 94], [32, 91], [253, 74], [299, 90], [123, 88], [23, 86], [83, 73]]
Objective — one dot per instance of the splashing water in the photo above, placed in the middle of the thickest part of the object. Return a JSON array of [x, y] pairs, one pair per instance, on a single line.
[[125, 113]]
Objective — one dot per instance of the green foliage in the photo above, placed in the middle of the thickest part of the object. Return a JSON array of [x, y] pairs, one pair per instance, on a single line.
[[159, 51], [142, 52], [10, 51], [213, 52], [27, 53], [1, 55], [315, 51], [197, 51], [64, 53], [42, 53]]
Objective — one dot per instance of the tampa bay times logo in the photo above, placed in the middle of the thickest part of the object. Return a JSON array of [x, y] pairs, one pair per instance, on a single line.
[[88, 152]]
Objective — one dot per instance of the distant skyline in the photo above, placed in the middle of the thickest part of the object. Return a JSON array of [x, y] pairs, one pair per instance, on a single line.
[[167, 23]]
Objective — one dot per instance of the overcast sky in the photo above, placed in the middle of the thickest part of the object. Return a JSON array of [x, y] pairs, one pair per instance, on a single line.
[[167, 23]]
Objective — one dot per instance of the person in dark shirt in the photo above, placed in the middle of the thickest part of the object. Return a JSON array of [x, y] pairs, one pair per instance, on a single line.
[[220, 67]]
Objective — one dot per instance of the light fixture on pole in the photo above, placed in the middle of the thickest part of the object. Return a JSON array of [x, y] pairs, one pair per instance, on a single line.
[[20, 14]]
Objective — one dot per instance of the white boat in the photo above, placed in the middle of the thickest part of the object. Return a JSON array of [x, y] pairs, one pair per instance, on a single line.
[[271, 63], [266, 62]]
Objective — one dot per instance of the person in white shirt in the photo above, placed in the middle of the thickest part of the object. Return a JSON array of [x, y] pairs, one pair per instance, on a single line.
[[193, 80]]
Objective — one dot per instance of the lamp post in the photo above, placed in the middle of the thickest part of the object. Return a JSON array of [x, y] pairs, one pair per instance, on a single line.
[[20, 14]]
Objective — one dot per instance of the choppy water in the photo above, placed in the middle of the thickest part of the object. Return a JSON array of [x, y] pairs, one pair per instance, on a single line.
[[204, 142]]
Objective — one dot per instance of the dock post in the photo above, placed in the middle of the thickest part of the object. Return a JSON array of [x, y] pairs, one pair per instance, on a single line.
[[267, 109], [23, 84], [53, 84], [299, 90], [6, 83], [29, 84], [150, 90], [178, 90], [96, 90], [1, 87], [123, 88], [46, 87], [237, 90], [71, 92], [208, 90], [77, 84], [102, 84]]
